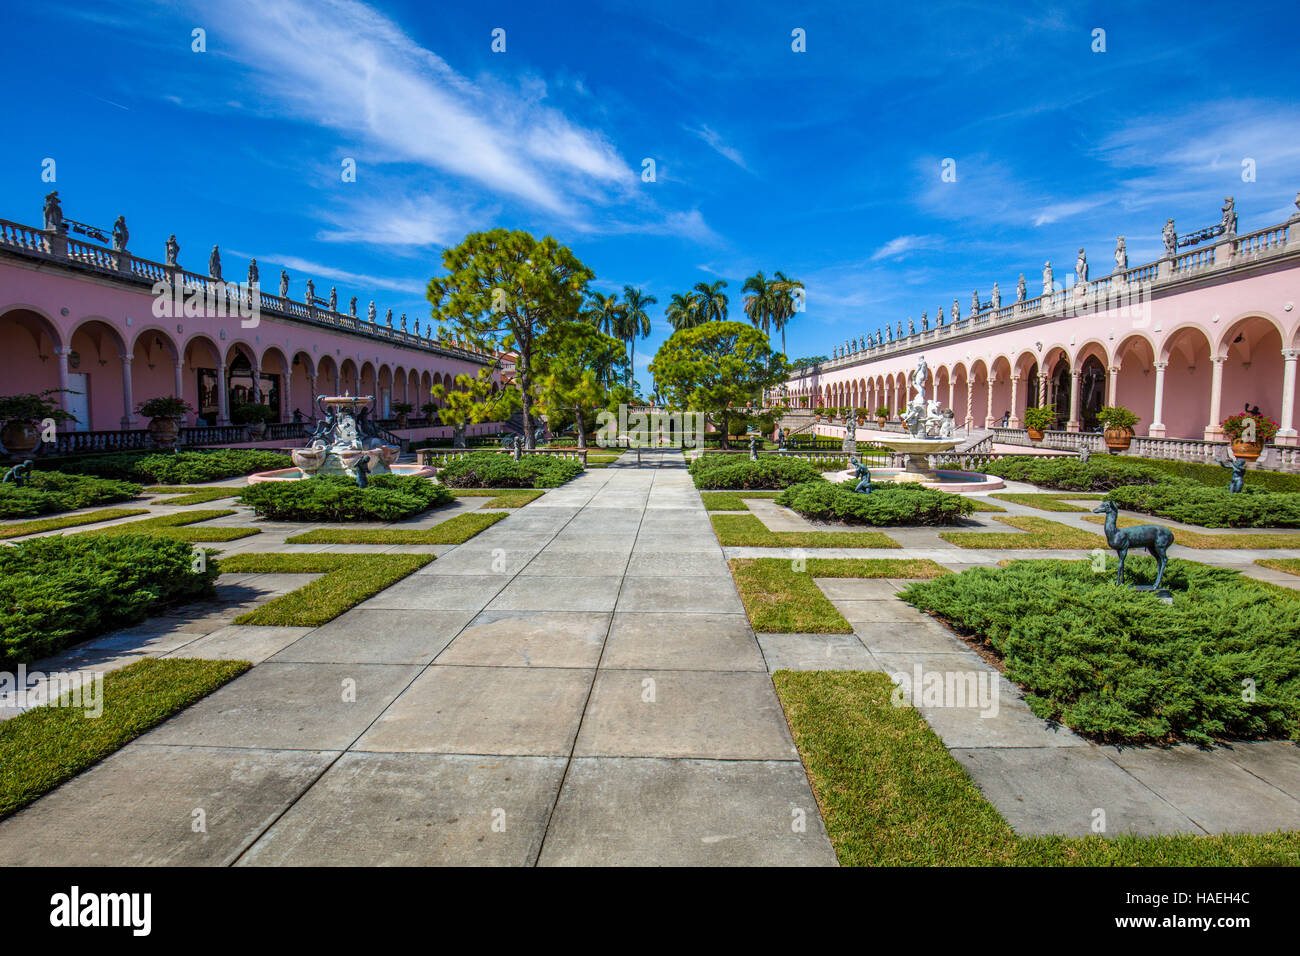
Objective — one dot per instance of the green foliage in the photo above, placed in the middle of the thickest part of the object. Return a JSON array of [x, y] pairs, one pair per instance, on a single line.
[[1040, 418], [34, 407], [57, 591], [50, 492], [738, 472], [1265, 428], [337, 498], [1101, 473], [888, 504], [882, 411], [1212, 507], [164, 406], [489, 469], [252, 413], [1117, 417], [1217, 477], [1118, 665], [181, 468]]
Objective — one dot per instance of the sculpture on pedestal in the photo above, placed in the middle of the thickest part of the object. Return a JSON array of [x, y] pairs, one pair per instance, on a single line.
[[334, 299], [938, 319], [388, 318], [214, 263], [1229, 217], [370, 312], [1154, 538], [1049, 285], [172, 250], [310, 297], [253, 275], [352, 307], [1021, 289], [284, 284], [1121, 255], [1081, 268], [997, 297], [1237, 483], [120, 234], [52, 212], [975, 303], [863, 474], [1170, 237]]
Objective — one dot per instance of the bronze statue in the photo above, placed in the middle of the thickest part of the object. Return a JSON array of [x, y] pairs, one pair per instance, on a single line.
[[1237, 483], [18, 474], [1150, 536], [864, 474]]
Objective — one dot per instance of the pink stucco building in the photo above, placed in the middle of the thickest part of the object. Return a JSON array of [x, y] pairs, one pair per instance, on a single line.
[[104, 323], [1184, 342]]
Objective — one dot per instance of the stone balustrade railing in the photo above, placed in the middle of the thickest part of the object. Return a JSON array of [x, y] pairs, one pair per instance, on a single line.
[[438, 457], [37, 243], [1274, 457]]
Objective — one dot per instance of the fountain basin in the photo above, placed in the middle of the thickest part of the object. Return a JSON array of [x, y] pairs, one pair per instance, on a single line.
[[297, 474]]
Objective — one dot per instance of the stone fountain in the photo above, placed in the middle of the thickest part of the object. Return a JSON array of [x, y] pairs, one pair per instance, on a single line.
[[345, 442]]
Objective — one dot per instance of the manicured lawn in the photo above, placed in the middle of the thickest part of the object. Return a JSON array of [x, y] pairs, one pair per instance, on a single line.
[[1042, 533], [1199, 540], [1289, 565], [175, 526], [45, 746], [980, 504], [746, 531], [781, 600], [348, 580], [1048, 502], [501, 497], [732, 500], [455, 530], [40, 525], [185, 495], [892, 795]]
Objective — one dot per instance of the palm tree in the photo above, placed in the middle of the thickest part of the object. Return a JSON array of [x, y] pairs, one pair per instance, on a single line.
[[713, 301], [634, 323], [760, 304], [784, 309], [603, 311], [684, 311]]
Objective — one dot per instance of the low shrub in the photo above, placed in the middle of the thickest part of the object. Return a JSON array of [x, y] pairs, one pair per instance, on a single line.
[[487, 469], [1101, 473], [57, 591], [1217, 476], [337, 498], [1212, 507], [51, 492], [1117, 665], [888, 504], [180, 468], [739, 472]]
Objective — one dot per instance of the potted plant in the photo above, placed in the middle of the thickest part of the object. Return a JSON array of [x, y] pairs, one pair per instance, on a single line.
[[21, 415], [882, 414], [165, 415], [429, 410], [1236, 428], [1118, 422], [254, 415], [402, 409], [818, 412], [1038, 420]]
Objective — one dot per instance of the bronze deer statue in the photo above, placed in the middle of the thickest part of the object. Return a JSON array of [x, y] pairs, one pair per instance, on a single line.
[[1150, 536]]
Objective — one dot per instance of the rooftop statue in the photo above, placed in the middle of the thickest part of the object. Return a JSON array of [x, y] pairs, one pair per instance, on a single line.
[[214, 263], [310, 297], [1020, 288], [53, 213], [911, 326], [938, 319], [284, 284], [1229, 217], [925, 321], [1121, 255], [1081, 267], [352, 307], [997, 297], [120, 234], [974, 303], [1170, 237], [334, 299], [1049, 286], [254, 276], [370, 312], [172, 250], [388, 318]]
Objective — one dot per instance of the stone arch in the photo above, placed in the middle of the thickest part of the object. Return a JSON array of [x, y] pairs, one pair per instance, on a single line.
[[1004, 400], [349, 377], [1188, 382], [1252, 367], [156, 366], [97, 352], [1132, 380], [31, 344]]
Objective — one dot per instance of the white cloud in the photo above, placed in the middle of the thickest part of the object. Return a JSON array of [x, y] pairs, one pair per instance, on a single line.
[[716, 143], [304, 269], [406, 221], [899, 246]]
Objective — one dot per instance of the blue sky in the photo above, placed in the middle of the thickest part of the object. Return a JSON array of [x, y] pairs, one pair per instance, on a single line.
[[824, 164]]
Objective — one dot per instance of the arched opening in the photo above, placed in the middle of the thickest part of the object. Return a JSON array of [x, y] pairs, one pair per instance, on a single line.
[[31, 346], [1134, 385], [1252, 369], [97, 372], [1188, 381], [154, 361]]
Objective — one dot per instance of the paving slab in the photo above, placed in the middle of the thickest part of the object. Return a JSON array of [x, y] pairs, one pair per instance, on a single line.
[[683, 595], [542, 593], [1274, 761], [637, 812], [241, 642], [530, 639], [137, 807], [816, 652], [439, 592], [857, 589], [869, 612], [577, 565], [380, 809], [679, 564], [378, 637], [673, 641], [925, 637]]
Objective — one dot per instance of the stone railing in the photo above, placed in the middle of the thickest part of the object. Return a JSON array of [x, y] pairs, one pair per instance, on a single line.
[[1127, 288], [438, 457], [31, 242], [1274, 457]]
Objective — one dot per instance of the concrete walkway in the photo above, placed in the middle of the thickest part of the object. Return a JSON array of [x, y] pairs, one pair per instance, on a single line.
[[576, 685]]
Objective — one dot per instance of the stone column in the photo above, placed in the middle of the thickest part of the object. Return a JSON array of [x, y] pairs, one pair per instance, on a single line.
[[223, 396], [311, 389], [1014, 420], [257, 382], [1212, 430], [1112, 385], [951, 384], [988, 407], [1157, 429], [179, 381], [1075, 423], [64, 399], [1287, 434], [970, 403], [128, 399]]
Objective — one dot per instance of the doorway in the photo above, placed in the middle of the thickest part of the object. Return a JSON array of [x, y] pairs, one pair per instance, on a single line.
[[79, 400]]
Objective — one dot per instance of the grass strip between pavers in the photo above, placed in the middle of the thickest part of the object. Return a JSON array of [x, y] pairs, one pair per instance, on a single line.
[[40, 525], [1043, 533], [175, 526], [47, 745], [732, 500], [190, 495], [747, 531], [1201, 541], [1048, 502], [348, 580], [892, 795], [455, 530], [781, 600], [1289, 565]]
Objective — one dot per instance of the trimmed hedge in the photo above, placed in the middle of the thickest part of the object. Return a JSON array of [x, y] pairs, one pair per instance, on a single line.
[[337, 498], [180, 468], [1216, 476], [58, 591], [1117, 665], [1212, 507], [888, 504], [739, 472], [1070, 474], [51, 492], [489, 469]]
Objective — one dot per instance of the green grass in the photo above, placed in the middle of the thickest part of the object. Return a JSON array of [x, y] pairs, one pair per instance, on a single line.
[[45, 746], [781, 600], [348, 580], [1200, 541], [501, 497], [746, 531], [732, 500], [1043, 533], [175, 526], [979, 504], [1289, 565], [1048, 502], [187, 495], [892, 795], [39, 525], [455, 530]]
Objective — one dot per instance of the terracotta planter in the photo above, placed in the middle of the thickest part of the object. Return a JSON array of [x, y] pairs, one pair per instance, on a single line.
[[20, 437], [164, 431], [1118, 439], [1247, 450], [257, 429], [401, 420], [1034, 434], [882, 421]]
